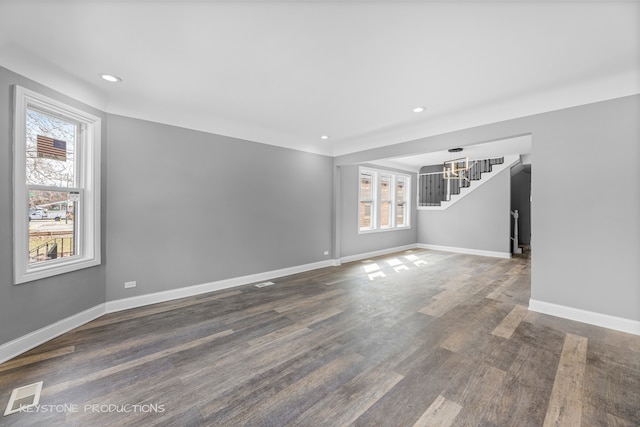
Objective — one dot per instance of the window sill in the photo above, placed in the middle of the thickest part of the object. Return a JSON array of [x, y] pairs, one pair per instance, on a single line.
[[50, 269], [384, 230]]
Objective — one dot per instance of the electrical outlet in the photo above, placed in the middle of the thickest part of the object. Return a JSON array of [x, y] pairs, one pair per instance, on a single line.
[[326, 252], [128, 285]]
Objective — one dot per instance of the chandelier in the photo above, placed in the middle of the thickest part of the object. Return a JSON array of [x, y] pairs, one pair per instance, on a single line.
[[455, 168]]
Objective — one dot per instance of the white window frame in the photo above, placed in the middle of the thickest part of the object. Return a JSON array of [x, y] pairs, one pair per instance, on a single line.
[[373, 200], [88, 185], [376, 175], [407, 184], [392, 180]]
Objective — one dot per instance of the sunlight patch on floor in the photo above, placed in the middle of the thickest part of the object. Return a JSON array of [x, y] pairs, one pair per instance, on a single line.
[[371, 268], [372, 276]]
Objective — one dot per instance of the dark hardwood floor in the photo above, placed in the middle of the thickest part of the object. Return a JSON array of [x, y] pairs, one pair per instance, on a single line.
[[418, 338]]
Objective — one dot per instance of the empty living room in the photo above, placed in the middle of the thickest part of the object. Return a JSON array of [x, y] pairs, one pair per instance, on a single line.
[[319, 213]]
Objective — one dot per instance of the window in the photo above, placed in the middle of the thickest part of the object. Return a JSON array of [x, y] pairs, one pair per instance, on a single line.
[[384, 201], [366, 201], [56, 187], [402, 184]]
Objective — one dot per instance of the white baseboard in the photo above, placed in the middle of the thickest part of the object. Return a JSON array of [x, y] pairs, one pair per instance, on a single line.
[[27, 342], [584, 316], [465, 250], [366, 255], [154, 298]]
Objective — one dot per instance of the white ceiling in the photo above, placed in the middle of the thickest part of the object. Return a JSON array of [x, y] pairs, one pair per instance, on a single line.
[[285, 73]]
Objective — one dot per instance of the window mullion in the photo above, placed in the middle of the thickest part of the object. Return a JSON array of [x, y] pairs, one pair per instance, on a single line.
[[52, 188]]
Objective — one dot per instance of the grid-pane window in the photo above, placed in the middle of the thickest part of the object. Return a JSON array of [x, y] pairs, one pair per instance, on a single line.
[[56, 187], [384, 200]]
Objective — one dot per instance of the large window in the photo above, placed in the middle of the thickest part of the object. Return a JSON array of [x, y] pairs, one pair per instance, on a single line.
[[384, 200], [56, 187]]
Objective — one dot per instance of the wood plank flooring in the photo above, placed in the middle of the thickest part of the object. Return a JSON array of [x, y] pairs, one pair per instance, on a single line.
[[417, 338]]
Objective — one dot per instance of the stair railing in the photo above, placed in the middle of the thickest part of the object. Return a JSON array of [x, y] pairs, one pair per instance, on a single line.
[[434, 188], [52, 249]]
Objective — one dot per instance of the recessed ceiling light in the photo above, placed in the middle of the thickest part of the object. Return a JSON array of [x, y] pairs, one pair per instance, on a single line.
[[418, 109], [324, 137], [111, 78]]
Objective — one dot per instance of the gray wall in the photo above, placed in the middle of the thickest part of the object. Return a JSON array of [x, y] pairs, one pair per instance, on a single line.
[[478, 221], [520, 200], [188, 207], [352, 243], [585, 249], [30, 306], [585, 252]]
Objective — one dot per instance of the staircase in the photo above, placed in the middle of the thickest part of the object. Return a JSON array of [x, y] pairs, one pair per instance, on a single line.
[[437, 193]]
